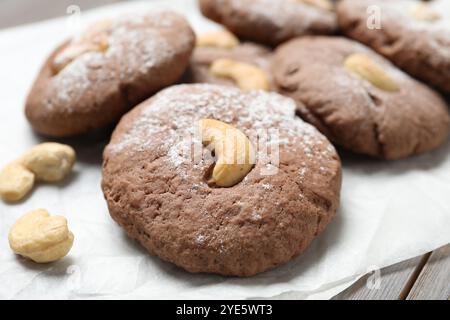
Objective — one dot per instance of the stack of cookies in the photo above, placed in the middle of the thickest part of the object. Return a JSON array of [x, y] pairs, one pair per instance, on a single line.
[[223, 158]]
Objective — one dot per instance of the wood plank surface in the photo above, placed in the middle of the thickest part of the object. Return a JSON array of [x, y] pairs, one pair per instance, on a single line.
[[433, 282], [389, 284]]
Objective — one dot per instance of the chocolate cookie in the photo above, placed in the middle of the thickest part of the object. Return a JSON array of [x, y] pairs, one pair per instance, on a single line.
[[415, 35], [162, 197], [272, 22], [93, 79], [205, 55], [359, 99]]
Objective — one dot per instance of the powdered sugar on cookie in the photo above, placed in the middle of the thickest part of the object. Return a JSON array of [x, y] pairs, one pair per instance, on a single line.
[[135, 45], [281, 12], [170, 120]]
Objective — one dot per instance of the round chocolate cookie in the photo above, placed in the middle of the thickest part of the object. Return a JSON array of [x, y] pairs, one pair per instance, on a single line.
[[415, 35], [204, 57], [92, 80], [272, 22], [159, 193], [359, 99]]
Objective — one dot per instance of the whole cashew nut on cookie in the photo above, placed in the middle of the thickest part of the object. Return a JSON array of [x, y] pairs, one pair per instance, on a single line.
[[246, 76], [234, 152], [423, 12], [218, 39], [367, 69], [94, 40]]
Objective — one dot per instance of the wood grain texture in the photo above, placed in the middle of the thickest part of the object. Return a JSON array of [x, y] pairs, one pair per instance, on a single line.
[[391, 282], [433, 282]]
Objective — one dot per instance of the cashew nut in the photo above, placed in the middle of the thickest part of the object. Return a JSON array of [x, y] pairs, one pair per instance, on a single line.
[[40, 237], [218, 39], [364, 67], [423, 12], [16, 181], [246, 76], [50, 162], [235, 154], [95, 39], [322, 4]]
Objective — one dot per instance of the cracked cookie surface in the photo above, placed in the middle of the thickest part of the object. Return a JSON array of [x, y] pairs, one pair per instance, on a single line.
[[159, 195], [353, 112]]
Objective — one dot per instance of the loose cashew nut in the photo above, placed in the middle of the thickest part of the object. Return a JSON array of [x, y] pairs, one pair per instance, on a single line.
[[234, 152], [246, 76], [218, 39], [95, 39], [50, 162], [16, 181], [367, 69], [40, 237]]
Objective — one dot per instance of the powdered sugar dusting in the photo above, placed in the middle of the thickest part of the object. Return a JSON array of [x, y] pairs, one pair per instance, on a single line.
[[282, 12], [256, 216], [267, 186], [400, 14], [135, 46], [170, 121], [200, 239], [403, 10], [414, 33], [302, 172], [139, 51], [74, 80]]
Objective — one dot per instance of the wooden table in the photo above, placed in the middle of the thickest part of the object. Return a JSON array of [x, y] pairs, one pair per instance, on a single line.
[[424, 277]]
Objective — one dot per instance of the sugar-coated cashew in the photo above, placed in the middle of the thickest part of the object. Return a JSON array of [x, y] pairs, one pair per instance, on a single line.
[[41, 237]]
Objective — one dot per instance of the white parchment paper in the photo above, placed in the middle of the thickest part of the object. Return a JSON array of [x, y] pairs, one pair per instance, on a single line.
[[390, 211]]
